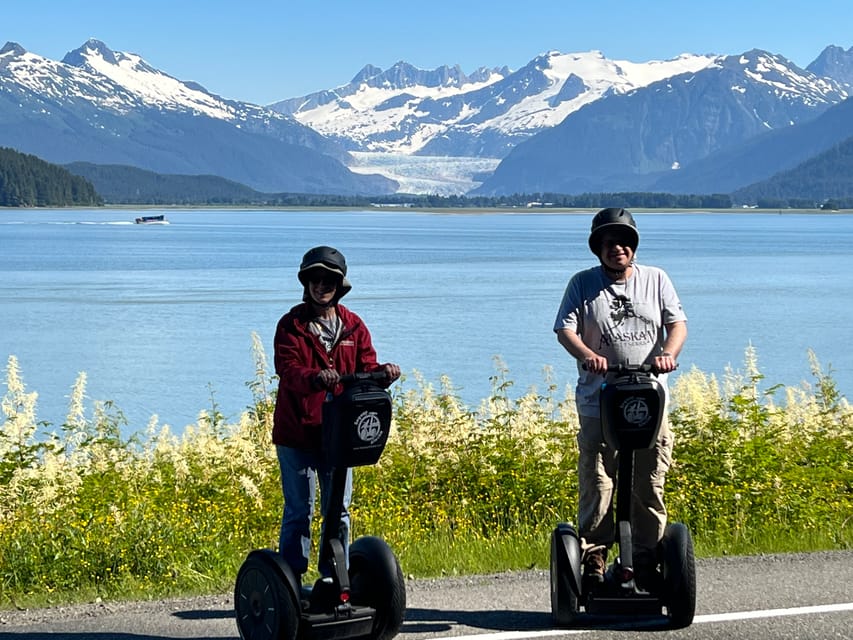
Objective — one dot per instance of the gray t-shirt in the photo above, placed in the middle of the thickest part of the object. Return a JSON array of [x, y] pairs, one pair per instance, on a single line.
[[623, 321]]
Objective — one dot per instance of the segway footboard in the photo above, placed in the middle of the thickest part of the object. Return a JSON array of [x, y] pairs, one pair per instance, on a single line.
[[616, 600], [341, 623]]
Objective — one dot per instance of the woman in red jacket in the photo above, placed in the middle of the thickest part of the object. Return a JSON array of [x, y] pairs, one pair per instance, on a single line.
[[316, 342]]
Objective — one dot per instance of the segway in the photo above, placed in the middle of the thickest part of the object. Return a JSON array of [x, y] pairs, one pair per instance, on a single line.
[[632, 406], [366, 599]]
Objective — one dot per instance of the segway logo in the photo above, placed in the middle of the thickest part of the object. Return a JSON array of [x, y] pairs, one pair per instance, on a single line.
[[368, 427], [635, 411]]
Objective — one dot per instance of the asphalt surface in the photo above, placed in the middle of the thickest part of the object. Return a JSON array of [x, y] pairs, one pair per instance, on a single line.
[[801, 596]]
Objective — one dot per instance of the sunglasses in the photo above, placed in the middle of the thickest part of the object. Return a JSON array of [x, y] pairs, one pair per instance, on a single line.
[[624, 240], [325, 278]]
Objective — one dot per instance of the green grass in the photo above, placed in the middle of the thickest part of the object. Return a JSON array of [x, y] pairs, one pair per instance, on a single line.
[[87, 513]]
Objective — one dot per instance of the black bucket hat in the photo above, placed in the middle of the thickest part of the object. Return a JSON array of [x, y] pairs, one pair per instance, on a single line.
[[331, 260]]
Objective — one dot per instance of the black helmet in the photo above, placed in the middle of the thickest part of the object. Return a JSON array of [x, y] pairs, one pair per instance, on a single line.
[[611, 218], [329, 259]]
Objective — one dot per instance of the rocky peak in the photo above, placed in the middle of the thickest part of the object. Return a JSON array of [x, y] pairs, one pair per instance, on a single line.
[[79, 57], [12, 47]]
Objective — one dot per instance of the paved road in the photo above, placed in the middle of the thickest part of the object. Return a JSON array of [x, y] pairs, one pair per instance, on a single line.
[[803, 596]]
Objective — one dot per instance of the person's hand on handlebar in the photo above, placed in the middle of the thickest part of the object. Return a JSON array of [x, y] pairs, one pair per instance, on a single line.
[[665, 362], [327, 378], [392, 371], [596, 364]]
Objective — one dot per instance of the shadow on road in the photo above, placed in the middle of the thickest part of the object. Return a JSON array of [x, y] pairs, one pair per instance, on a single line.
[[204, 614], [193, 614], [417, 621], [437, 621], [97, 635]]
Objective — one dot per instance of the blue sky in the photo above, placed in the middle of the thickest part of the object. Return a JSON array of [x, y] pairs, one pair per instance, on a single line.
[[263, 50]]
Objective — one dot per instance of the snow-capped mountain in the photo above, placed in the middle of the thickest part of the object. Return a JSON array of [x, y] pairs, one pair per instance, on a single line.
[[109, 107], [836, 63], [563, 122], [604, 124], [446, 113], [631, 141]]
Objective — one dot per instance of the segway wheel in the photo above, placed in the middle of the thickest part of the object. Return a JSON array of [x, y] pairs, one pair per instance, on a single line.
[[565, 553], [376, 581], [679, 575], [264, 603]]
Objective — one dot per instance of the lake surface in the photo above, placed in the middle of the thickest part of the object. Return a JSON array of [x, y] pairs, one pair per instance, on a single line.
[[160, 317]]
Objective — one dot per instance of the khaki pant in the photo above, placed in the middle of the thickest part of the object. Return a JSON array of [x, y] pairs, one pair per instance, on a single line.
[[597, 471]]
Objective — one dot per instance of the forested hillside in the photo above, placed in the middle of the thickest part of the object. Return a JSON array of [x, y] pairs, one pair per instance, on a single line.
[[824, 178], [119, 184], [28, 181]]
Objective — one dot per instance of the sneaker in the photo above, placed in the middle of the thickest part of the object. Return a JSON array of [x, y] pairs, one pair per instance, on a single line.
[[595, 564]]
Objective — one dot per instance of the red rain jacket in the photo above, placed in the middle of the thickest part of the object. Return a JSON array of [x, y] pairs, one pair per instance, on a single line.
[[299, 357]]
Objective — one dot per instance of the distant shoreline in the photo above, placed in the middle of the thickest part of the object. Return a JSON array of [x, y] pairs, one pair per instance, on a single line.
[[433, 210]]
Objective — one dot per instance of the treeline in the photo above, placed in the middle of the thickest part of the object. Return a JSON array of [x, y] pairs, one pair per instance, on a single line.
[[130, 185], [29, 181], [824, 179], [582, 201], [832, 204], [120, 184]]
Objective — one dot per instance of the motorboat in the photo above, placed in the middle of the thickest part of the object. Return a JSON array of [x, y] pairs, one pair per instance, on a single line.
[[161, 219]]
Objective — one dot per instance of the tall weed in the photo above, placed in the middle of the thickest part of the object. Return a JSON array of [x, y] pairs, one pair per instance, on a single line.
[[85, 511]]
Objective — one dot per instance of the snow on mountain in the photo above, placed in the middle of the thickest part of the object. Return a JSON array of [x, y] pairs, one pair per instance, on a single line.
[[116, 81], [836, 63], [598, 75], [51, 80], [785, 79], [406, 117], [633, 141], [150, 86], [432, 131], [107, 107], [122, 82]]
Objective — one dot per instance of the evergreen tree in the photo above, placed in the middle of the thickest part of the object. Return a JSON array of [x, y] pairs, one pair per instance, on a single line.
[[28, 181]]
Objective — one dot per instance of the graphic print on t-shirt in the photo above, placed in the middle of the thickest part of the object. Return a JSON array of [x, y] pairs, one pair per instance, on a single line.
[[622, 307]]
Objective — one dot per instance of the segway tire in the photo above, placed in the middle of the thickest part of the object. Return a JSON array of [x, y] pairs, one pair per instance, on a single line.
[[376, 581], [565, 551], [265, 603], [679, 576]]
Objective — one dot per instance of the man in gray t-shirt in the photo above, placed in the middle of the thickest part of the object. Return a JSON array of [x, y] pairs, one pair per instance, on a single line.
[[619, 312]]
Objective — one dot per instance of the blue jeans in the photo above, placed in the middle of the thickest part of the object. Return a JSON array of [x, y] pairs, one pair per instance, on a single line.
[[300, 472]]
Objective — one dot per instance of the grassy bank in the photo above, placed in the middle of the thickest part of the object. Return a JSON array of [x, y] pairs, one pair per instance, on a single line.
[[86, 512]]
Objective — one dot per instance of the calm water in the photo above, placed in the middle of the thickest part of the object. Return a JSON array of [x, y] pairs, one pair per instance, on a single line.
[[160, 317]]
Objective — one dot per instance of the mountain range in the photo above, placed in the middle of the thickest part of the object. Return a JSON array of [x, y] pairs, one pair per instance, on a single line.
[[564, 123], [654, 138], [107, 107]]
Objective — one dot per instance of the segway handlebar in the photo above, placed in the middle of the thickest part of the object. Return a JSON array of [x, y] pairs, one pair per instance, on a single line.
[[350, 378], [629, 368], [632, 368]]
